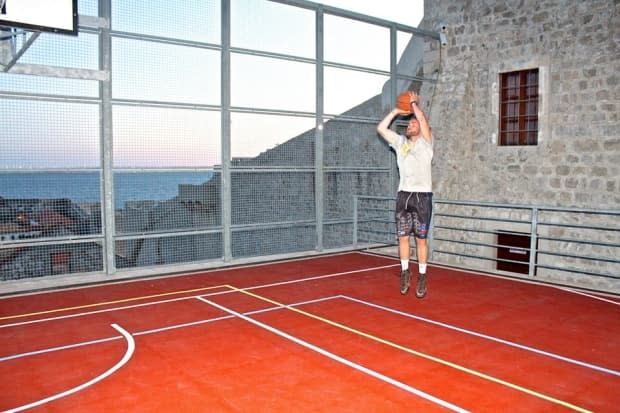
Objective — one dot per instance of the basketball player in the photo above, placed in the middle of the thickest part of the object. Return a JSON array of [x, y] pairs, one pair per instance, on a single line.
[[414, 153]]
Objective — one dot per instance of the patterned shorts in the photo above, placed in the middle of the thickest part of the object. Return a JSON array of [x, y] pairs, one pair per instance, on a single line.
[[413, 213]]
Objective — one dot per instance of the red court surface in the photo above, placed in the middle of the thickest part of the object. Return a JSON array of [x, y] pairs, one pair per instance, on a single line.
[[322, 334]]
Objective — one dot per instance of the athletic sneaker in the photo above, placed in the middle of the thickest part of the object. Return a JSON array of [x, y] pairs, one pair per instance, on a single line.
[[405, 281], [420, 289]]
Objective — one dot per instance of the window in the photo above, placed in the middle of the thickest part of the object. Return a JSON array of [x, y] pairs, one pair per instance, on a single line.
[[518, 120]]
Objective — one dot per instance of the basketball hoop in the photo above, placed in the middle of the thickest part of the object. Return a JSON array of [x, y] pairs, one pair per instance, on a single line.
[[13, 44]]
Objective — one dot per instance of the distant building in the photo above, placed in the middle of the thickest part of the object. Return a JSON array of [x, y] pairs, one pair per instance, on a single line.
[[47, 219], [13, 232]]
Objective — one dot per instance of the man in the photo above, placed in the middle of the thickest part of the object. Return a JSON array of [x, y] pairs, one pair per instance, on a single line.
[[414, 153]]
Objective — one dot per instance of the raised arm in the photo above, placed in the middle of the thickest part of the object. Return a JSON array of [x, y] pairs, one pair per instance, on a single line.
[[383, 128], [425, 128]]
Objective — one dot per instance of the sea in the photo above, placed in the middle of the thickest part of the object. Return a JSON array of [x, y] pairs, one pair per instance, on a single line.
[[85, 187]]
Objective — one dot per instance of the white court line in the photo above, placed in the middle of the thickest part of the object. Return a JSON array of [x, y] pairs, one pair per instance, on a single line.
[[107, 310], [130, 349], [60, 348], [588, 295], [263, 310], [339, 359], [317, 277], [313, 278], [487, 337], [161, 329]]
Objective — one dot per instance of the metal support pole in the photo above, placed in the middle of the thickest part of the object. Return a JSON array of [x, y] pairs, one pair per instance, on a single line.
[[107, 162], [393, 93], [318, 143], [355, 201], [533, 239], [226, 187]]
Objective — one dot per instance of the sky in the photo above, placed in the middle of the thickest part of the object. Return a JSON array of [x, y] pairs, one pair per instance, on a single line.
[[408, 12]]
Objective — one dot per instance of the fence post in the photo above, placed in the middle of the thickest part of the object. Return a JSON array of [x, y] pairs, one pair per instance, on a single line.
[[533, 241], [355, 200]]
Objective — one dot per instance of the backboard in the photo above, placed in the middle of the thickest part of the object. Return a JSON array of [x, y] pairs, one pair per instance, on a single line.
[[58, 16]]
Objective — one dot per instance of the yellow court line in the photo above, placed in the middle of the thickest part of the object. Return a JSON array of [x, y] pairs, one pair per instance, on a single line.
[[81, 307], [417, 353]]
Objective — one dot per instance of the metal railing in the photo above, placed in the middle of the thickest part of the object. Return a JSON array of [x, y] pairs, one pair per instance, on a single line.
[[537, 241]]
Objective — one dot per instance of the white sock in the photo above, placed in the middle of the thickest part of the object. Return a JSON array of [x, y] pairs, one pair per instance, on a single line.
[[404, 264], [422, 268]]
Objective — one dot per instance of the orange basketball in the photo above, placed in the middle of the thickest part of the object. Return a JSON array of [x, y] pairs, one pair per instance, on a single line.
[[404, 101]]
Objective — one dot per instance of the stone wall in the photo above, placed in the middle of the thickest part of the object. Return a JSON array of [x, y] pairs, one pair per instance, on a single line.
[[575, 45], [576, 164]]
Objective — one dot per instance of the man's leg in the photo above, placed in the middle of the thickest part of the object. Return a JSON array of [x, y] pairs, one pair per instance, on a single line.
[[404, 252], [422, 251]]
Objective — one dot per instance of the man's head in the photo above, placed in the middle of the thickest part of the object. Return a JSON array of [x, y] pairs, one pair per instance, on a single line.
[[413, 128]]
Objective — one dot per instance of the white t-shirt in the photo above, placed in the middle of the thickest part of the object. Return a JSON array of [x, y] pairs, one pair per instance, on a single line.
[[414, 164]]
